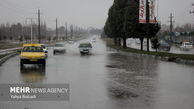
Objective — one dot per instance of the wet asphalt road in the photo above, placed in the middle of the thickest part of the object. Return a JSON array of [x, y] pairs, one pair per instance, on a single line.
[[106, 80]]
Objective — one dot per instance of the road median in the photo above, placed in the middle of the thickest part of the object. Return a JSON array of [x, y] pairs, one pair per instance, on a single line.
[[171, 57]]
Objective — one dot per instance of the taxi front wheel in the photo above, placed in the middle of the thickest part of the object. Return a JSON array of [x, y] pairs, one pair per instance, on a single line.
[[44, 63], [21, 65]]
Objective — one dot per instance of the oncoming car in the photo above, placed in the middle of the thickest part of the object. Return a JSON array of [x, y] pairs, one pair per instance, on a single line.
[[71, 42], [94, 40], [32, 54], [59, 48], [85, 48]]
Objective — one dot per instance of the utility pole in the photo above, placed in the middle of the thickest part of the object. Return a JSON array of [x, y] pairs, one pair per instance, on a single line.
[[75, 31], [192, 12], [57, 29], [148, 23], [71, 30], [31, 28], [171, 26], [31, 31], [171, 22], [66, 30], [39, 34], [45, 30]]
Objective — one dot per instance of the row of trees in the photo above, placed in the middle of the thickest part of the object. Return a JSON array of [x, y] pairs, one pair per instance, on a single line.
[[183, 30], [178, 28], [19, 31], [23, 32], [123, 23]]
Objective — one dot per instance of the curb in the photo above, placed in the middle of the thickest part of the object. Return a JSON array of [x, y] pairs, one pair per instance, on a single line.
[[4, 59]]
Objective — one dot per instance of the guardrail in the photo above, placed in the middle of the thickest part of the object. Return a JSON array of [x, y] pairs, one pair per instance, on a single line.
[[7, 51]]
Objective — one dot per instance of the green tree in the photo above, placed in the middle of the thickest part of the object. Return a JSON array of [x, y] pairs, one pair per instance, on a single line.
[[110, 28], [123, 22], [155, 43]]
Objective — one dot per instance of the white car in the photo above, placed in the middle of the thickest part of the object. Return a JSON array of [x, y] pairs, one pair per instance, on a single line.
[[94, 40], [186, 46], [71, 42], [139, 42], [59, 48], [85, 48]]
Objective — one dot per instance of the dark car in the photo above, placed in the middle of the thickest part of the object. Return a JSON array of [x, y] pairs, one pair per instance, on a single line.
[[164, 46], [85, 48]]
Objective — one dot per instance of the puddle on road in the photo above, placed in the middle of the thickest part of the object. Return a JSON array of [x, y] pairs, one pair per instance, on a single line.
[[112, 66], [121, 93], [33, 74], [132, 78]]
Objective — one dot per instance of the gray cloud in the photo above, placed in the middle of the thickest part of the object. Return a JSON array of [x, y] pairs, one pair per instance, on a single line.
[[83, 13]]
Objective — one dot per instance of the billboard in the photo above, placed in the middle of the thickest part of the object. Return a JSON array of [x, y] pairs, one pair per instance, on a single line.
[[142, 11], [152, 11]]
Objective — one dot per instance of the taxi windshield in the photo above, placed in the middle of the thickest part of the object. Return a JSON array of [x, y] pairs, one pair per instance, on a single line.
[[32, 49]]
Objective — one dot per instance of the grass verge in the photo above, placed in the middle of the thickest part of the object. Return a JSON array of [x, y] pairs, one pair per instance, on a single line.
[[2, 56], [8, 45]]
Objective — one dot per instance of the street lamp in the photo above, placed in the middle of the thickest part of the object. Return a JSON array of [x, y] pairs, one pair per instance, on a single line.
[[31, 31]]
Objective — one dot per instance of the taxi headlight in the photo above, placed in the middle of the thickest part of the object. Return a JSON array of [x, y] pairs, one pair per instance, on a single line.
[[43, 57], [23, 57]]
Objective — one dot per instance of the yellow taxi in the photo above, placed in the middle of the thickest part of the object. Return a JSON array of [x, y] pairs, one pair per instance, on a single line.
[[32, 54]]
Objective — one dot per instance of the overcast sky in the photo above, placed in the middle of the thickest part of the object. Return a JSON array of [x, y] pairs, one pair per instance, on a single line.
[[84, 13]]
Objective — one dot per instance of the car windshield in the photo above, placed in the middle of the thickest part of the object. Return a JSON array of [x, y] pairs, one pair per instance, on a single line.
[[59, 45], [188, 43], [32, 49], [164, 44], [84, 45]]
